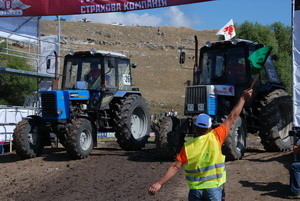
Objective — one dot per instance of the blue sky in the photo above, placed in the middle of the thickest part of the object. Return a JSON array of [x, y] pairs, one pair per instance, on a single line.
[[200, 16]]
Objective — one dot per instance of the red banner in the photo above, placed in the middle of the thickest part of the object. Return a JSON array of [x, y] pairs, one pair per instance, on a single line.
[[71, 7]]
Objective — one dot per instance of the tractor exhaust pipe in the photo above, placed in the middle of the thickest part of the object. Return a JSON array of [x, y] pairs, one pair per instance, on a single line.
[[195, 69]]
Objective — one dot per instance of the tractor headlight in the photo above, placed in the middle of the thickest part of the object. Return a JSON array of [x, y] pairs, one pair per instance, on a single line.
[[83, 106], [59, 112], [190, 107], [200, 107]]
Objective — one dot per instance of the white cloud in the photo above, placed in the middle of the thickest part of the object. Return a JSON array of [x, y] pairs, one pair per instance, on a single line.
[[144, 19], [171, 16], [178, 18]]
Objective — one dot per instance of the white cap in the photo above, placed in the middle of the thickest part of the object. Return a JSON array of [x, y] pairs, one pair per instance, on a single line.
[[203, 121]]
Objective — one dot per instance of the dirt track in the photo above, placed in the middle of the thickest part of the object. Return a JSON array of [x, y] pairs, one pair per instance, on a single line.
[[113, 174]]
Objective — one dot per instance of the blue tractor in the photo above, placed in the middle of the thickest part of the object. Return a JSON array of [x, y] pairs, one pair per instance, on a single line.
[[96, 96], [220, 76]]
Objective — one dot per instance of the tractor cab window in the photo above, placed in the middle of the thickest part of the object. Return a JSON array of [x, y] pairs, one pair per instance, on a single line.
[[109, 73], [223, 66], [83, 73], [235, 65], [206, 70], [212, 67], [91, 71], [271, 72], [124, 75], [71, 70]]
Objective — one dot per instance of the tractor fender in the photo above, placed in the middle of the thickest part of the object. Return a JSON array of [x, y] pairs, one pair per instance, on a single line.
[[121, 94], [270, 87], [35, 117], [39, 120]]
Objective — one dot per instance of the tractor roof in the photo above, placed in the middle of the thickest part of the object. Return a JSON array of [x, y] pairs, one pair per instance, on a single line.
[[111, 53], [102, 52], [232, 42]]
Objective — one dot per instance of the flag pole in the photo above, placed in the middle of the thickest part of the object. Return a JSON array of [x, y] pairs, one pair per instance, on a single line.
[[254, 80]]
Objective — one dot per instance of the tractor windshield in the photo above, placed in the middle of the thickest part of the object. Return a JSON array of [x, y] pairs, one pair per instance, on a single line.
[[82, 73], [223, 66]]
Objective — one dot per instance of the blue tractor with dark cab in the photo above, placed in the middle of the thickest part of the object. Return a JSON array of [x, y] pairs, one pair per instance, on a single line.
[[220, 76], [96, 96]]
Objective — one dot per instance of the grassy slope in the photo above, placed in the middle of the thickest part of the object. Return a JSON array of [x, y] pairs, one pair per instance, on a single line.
[[158, 75]]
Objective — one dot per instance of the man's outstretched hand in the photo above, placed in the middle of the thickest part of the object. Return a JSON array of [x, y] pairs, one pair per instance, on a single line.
[[247, 93], [154, 188]]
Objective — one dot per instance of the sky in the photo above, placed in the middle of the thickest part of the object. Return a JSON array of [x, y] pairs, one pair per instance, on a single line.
[[201, 16]]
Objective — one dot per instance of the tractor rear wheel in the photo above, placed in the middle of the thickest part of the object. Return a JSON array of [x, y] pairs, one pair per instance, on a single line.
[[275, 117], [29, 138], [235, 145], [131, 119], [169, 138], [79, 141]]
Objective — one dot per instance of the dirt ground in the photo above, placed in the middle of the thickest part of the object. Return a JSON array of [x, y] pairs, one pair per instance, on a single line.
[[113, 174]]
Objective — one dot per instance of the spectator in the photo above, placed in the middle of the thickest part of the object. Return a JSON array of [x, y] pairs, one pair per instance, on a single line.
[[94, 74], [295, 172]]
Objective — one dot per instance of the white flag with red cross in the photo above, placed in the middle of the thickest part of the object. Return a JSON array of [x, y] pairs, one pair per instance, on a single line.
[[228, 30]]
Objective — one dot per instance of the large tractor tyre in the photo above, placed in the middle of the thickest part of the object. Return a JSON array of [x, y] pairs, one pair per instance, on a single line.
[[235, 145], [275, 117], [79, 141], [29, 138], [131, 118], [169, 138]]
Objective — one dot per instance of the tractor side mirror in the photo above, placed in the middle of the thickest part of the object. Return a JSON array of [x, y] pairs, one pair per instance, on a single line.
[[182, 57], [48, 64], [133, 65]]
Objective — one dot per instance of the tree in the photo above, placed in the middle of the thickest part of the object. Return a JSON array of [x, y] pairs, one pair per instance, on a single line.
[[276, 35], [14, 89], [284, 63]]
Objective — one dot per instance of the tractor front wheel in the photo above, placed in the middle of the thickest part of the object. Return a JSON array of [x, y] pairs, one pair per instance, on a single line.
[[235, 145], [29, 138], [79, 141], [169, 138]]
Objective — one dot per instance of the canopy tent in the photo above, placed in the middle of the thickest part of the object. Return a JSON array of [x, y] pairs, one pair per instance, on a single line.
[[23, 29]]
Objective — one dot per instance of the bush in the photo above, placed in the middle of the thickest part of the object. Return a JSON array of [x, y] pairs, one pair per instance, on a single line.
[[14, 89]]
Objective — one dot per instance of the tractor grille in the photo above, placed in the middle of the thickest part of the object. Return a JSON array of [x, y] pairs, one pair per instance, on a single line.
[[196, 94], [49, 105], [195, 99]]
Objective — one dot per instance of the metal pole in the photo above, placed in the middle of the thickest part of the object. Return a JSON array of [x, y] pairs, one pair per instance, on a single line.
[[57, 56], [293, 57]]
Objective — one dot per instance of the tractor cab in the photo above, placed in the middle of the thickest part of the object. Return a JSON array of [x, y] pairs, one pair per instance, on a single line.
[[97, 70], [220, 76], [226, 62]]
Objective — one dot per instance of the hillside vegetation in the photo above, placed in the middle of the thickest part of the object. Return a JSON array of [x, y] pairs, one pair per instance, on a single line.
[[154, 49]]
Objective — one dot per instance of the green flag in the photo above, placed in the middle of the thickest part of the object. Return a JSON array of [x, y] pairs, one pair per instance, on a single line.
[[258, 59]]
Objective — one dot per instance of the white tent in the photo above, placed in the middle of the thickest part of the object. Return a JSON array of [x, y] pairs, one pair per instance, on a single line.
[[296, 62]]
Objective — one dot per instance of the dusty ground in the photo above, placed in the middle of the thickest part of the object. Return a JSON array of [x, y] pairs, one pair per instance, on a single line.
[[113, 174]]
